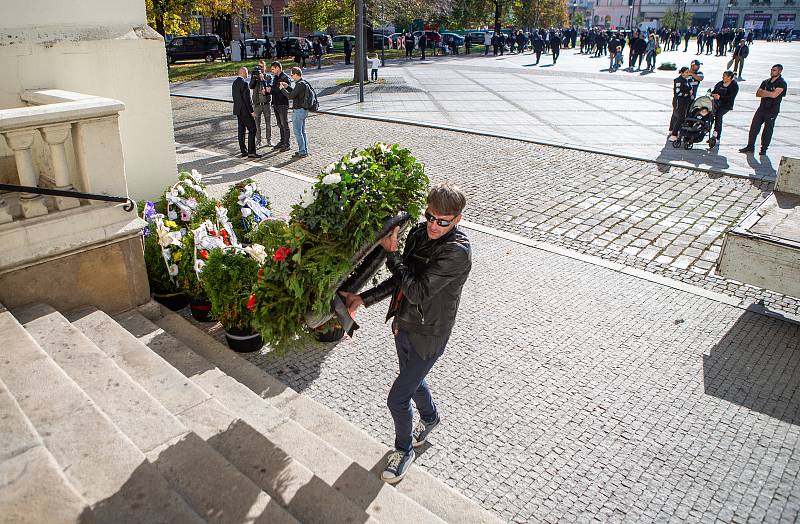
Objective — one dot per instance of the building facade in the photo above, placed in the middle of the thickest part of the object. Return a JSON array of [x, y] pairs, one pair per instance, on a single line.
[[613, 13], [704, 12], [267, 18], [764, 16]]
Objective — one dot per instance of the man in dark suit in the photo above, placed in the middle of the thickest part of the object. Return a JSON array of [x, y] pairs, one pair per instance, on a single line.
[[245, 114]]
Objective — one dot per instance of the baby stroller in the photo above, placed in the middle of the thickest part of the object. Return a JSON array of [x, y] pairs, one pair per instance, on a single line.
[[698, 123]]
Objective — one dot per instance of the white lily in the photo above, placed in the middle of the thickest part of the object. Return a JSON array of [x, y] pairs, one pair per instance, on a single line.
[[306, 199]]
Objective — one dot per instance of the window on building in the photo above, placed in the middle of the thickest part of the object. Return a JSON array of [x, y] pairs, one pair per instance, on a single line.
[[288, 24], [266, 21]]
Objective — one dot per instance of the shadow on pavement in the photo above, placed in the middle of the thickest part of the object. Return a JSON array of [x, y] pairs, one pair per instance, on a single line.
[[756, 365], [699, 156]]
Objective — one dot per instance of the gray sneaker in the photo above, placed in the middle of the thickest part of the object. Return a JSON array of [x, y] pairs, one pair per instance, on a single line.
[[397, 466], [422, 430]]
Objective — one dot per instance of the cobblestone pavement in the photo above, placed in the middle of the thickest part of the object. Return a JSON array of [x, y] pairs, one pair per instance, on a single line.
[[570, 392], [667, 221], [571, 103]]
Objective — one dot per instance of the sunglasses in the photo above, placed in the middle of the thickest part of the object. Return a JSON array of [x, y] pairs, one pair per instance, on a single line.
[[439, 221]]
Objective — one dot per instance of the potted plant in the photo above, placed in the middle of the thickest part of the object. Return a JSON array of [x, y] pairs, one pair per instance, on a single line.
[[247, 207], [228, 277], [330, 331], [163, 241]]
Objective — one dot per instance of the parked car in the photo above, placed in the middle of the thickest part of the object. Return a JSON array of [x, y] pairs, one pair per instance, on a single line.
[[323, 37], [376, 41], [477, 36], [291, 46], [432, 38], [452, 38], [207, 47], [255, 47], [338, 41]]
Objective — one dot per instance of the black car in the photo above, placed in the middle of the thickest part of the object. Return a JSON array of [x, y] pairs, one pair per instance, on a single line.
[[291, 46], [207, 47]]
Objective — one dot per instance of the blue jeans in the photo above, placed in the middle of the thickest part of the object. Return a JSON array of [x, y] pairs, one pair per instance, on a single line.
[[299, 124], [410, 384]]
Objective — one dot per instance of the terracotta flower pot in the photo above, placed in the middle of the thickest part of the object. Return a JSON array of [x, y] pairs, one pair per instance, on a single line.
[[173, 301], [243, 341]]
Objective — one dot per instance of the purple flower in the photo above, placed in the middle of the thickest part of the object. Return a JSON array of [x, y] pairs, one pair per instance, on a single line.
[[149, 211], [146, 231]]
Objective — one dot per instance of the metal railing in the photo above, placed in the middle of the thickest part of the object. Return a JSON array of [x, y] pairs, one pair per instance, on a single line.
[[130, 205]]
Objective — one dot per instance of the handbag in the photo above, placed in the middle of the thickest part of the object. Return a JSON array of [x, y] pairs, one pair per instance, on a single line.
[[658, 50]]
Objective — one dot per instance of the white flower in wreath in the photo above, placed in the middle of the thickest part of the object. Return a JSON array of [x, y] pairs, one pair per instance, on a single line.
[[329, 168], [246, 212], [258, 252], [384, 148], [173, 270], [356, 160], [172, 214], [331, 179], [181, 190], [196, 175], [306, 199], [199, 265]]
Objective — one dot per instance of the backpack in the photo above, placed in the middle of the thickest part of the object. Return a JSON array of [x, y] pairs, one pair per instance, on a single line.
[[744, 51], [311, 101]]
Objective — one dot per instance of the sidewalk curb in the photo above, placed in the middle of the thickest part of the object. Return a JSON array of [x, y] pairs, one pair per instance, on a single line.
[[543, 142], [569, 253]]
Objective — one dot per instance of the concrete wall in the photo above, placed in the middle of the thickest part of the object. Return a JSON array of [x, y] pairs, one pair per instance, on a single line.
[[99, 47]]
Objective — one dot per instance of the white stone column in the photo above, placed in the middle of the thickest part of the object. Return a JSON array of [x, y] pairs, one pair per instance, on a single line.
[[20, 142], [55, 136]]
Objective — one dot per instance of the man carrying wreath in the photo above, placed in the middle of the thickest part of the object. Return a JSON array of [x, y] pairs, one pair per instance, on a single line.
[[425, 287]]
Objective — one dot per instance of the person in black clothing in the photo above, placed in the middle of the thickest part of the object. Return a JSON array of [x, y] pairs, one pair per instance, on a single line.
[[555, 46], [501, 41], [348, 50], [740, 52], [467, 43], [724, 95], [409, 43], [245, 114], [423, 43], [695, 77], [771, 91], [280, 104], [495, 44], [425, 287], [681, 100], [686, 36], [538, 46]]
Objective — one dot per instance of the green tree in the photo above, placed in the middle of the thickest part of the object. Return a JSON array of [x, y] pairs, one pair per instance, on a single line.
[[170, 16]]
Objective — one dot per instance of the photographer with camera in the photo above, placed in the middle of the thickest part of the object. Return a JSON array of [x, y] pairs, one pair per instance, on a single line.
[[259, 82]]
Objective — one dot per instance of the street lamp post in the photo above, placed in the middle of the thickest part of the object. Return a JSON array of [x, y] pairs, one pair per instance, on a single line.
[[630, 19], [360, 59], [572, 17], [685, 3], [383, 38], [727, 15]]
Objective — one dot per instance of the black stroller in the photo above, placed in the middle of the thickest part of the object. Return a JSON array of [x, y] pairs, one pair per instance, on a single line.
[[698, 123]]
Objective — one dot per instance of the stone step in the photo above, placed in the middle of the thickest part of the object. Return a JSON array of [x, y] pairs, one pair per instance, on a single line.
[[360, 485], [99, 461], [132, 409], [32, 487], [421, 487], [179, 456], [287, 481]]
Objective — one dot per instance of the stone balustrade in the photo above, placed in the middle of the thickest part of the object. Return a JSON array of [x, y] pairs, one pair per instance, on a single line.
[[94, 151]]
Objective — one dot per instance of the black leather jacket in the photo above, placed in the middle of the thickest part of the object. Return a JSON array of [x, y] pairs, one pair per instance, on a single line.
[[426, 282]]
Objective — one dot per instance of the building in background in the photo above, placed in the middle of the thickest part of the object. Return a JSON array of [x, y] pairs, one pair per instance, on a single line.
[[704, 12], [267, 18], [613, 13], [764, 16]]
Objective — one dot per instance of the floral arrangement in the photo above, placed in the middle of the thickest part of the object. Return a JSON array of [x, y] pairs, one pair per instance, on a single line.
[[228, 277], [343, 211], [247, 206], [163, 243]]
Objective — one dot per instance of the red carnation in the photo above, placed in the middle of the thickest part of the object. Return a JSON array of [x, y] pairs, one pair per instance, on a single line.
[[224, 234], [281, 254], [204, 254], [251, 302], [212, 232]]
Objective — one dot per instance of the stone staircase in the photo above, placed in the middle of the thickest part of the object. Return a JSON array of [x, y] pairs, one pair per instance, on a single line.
[[144, 418]]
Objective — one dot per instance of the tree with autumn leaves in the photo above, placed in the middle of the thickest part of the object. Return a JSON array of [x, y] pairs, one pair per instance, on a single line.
[[174, 16]]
